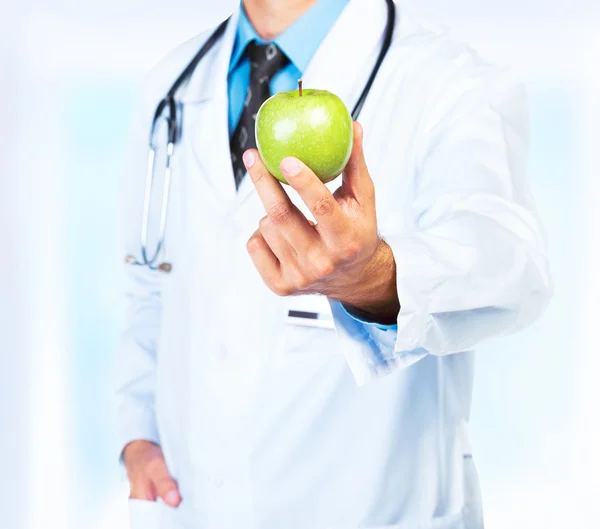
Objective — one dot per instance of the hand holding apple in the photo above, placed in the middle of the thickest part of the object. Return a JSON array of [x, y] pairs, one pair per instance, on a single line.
[[312, 125], [341, 256]]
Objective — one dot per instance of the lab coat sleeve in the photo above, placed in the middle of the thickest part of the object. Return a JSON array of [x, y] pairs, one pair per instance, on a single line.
[[470, 258], [136, 349]]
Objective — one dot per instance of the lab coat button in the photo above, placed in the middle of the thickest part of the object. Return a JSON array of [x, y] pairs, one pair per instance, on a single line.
[[218, 481]]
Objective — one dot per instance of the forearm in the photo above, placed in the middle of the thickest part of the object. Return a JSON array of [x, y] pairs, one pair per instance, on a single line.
[[135, 359], [454, 295], [135, 390]]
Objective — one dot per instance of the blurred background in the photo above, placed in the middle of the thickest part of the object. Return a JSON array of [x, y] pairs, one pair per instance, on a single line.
[[70, 72]]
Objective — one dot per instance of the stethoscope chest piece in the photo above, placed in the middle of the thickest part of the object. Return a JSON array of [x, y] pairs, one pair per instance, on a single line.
[[162, 267], [165, 267]]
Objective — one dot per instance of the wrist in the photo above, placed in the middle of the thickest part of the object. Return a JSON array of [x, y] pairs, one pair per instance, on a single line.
[[372, 293]]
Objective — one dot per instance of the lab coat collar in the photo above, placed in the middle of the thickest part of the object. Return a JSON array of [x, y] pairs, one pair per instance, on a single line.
[[345, 59], [341, 64], [350, 42], [299, 41], [205, 111]]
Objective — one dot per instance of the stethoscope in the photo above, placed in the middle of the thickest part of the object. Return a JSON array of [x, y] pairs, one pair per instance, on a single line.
[[169, 104]]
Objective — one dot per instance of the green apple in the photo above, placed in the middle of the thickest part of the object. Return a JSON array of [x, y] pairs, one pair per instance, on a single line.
[[312, 125]]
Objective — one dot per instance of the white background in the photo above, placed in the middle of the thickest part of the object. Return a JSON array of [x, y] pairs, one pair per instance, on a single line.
[[69, 72]]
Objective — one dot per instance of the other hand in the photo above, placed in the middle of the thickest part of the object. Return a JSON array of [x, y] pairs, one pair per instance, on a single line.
[[147, 472]]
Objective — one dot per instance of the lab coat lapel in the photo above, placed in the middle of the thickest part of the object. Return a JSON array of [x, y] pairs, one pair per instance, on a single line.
[[206, 103], [344, 60], [346, 57]]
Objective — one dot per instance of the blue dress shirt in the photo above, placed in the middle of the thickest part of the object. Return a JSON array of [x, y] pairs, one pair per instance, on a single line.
[[299, 42]]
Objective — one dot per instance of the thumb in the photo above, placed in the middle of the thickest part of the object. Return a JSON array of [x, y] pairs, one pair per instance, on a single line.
[[164, 484], [356, 178]]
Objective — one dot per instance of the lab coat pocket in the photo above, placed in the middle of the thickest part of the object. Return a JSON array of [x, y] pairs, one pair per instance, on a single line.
[[145, 514], [308, 326]]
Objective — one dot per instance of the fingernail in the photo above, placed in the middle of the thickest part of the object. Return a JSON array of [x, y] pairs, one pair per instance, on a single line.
[[290, 166], [249, 159], [172, 497]]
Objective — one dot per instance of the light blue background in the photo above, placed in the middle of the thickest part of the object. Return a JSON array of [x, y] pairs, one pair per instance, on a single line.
[[70, 90]]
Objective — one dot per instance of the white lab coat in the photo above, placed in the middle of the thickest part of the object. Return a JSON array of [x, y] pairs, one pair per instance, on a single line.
[[267, 424]]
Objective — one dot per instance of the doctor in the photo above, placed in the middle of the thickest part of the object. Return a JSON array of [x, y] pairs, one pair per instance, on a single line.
[[303, 357]]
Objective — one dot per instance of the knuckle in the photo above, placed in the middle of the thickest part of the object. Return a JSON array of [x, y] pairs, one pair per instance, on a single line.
[[300, 282], [324, 207], [277, 290], [254, 244], [322, 267], [349, 250], [281, 289], [264, 223], [280, 214]]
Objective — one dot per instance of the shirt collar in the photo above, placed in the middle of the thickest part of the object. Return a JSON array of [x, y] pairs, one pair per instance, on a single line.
[[300, 41]]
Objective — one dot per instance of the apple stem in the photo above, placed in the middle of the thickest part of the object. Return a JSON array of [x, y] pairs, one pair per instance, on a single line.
[[300, 87]]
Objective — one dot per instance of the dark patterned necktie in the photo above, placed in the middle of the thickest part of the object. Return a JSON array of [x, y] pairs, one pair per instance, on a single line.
[[265, 61]]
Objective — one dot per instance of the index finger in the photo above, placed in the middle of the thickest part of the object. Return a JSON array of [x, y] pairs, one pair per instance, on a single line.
[[315, 194], [269, 189], [291, 223]]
